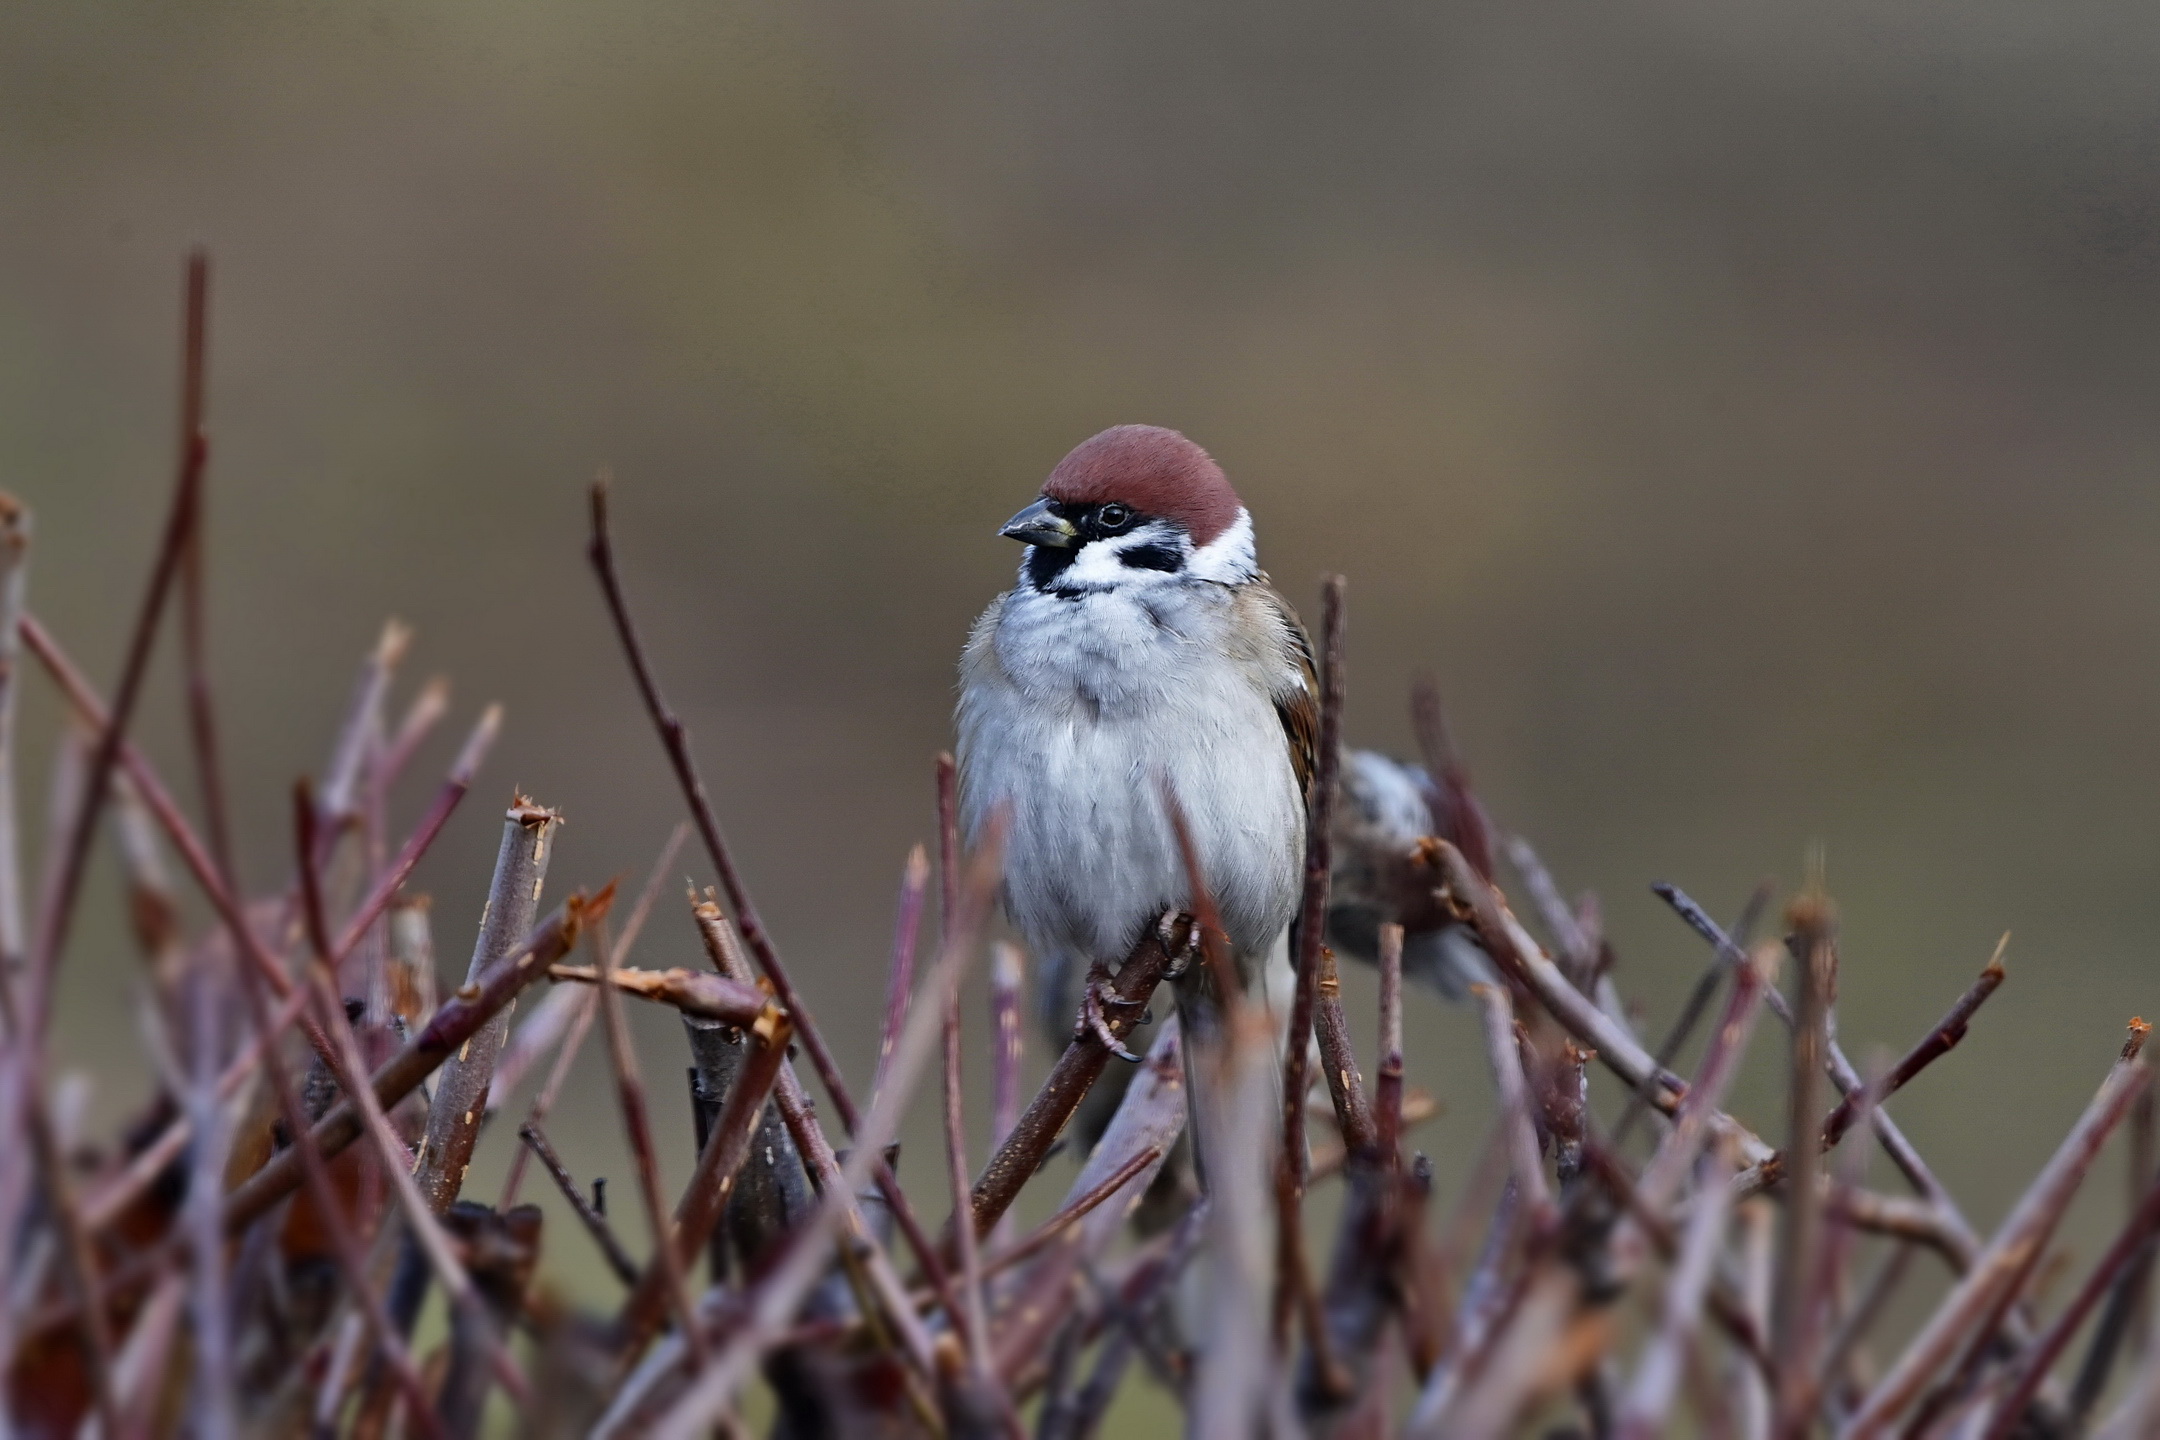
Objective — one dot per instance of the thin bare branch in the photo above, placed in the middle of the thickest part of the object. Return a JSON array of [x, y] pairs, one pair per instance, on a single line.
[[1293, 1283], [709, 997], [2009, 1255], [596, 1225], [675, 740], [1932, 1046], [1524, 1163], [900, 976], [457, 1021], [772, 1303], [460, 1097], [1648, 1404]]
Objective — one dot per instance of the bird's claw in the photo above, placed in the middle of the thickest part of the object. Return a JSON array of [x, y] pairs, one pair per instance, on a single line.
[[1181, 955], [1093, 1021]]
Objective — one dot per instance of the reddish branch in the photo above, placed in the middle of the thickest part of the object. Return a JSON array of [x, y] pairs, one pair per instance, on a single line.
[[1932, 1046], [454, 1023], [675, 740], [1043, 1121]]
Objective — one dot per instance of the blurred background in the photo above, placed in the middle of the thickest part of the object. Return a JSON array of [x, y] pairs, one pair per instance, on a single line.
[[1746, 411]]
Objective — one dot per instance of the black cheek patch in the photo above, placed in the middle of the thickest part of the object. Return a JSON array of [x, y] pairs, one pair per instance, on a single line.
[[1045, 563], [1152, 557]]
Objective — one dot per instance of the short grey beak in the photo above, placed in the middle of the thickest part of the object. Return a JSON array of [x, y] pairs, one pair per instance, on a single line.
[[1039, 525]]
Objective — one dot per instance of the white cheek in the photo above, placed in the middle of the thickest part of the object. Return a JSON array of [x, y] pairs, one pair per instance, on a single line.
[[1229, 557], [1096, 564]]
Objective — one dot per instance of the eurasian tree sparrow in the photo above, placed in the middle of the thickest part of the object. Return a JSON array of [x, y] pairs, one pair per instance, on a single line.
[[1141, 646]]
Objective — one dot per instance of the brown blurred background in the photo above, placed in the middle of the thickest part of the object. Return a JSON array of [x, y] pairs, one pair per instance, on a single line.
[[1746, 410]]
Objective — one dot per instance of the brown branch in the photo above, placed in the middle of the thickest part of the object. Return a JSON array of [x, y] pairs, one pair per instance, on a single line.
[[1932, 1046], [82, 698], [1460, 817], [346, 1248], [1388, 1086], [2040, 1358], [1071, 1213], [705, 1199], [900, 974], [543, 1104], [709, 997], [1338, 1062], [459, 1018], [1150, 1117], [972, 1324], [543, 1029], [1645, 1411], [596, 1225], [1517, 955], [1990, 1284], [771, 1305], [194, 616], [671, 1264], [1766, 1170], [817, 1154], [55, 921], [1813, 922], [460, 1096], [1293, 1284], [1046, 1116], [14, 586], [1520, 1127], [675, 740]]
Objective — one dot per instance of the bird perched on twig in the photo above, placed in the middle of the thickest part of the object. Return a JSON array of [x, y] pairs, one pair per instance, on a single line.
[[1383, 875], [1141, 649]]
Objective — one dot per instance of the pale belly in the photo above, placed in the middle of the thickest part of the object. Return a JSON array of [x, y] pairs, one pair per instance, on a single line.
[[1090, 857]]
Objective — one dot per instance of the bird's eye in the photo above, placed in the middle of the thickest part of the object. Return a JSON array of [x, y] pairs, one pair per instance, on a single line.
[[1114, 516]]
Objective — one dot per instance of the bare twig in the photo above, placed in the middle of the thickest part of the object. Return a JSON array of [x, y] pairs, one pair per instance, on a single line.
[[2009, 1255], [1644, 1412], [675, 739], [771, 1305], [820, 1161], [1338, 1061], [1073, 1211], [1518, 955], [974, 1318], [900, 976], [1937, 1043], [1460, 817], [709, 997], [571, 1028], [596, 1225], [1311, 923], [637, 1128], [1045, 1117], [1123, 1163], [2035, 1364], [457, 1021], [1525, 1166], [1388, 1087], [460, 1097], [1813, 922], [706, 1196], [14, 583]]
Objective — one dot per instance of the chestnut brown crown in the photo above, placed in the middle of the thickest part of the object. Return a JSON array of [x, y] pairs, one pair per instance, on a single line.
[[1157, 472]]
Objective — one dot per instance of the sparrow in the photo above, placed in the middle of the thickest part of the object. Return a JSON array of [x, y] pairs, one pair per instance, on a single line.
[[1142, 650], [1382, 874]]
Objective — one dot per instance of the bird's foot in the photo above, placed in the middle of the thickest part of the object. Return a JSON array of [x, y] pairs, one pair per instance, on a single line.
[[1094, 1020], [1183, 951]]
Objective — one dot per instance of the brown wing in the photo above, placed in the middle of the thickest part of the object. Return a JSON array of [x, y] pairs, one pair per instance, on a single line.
[[1296, 689]]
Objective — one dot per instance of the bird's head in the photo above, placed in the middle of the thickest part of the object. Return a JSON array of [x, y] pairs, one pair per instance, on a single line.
[[1136, 505]]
